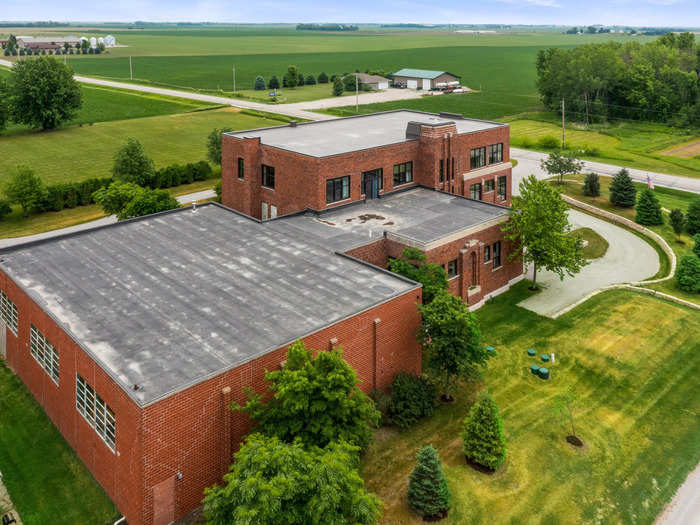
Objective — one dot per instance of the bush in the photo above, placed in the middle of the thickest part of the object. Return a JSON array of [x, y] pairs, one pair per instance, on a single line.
[[273, 83], [55, 200], [483, 440], [692, 217], [259, 84], [114, 198], [148, 202], [696, 246], [677, 220], [382, 401], [526, 143], [548, 142], [648, 209], [338, 87], [591, 185], [688, 273], [291, 78], [300, 80], [622, 190], [310, 80], [323, 78], [428, 493], [5, 209], [26, 189], [218, 190], [412, 398]]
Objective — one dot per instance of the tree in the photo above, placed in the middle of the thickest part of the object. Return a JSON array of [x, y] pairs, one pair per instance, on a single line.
[[696, 244], [300, 80], [26, 189], [567, 404], [114, 198], [276, 483], [677, 220], [131, 164], [323, 78], [338, 87], [291, 78], [693, 216], [539, 230], [591, 185], [350, 82], [314, 398], [451, 338], [43, 93], [148, 202], [413, 265], [561, 164], [259, 84], [214, 145], [273, 83], [688, 273], [622, 190], [310, 80], [4, 106], [412, 398], [5, 209], [648, 209], [428, 493], [483, 440]]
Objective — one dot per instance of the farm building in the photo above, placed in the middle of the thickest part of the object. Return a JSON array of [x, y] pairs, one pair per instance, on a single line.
[[373, 81], [425, 79], [32, 42]]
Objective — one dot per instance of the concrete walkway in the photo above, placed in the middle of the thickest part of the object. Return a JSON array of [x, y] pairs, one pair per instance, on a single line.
[[14, 241], [684, 508], [628, 259], [6, 505]]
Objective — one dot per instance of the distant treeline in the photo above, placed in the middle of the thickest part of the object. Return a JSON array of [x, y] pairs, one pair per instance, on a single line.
[[326, 27], [34, 24], [657, 81], [409, 25]]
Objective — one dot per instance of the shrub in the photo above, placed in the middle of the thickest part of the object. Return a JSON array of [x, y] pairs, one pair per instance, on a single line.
[[696, 246], [5, 209], [526, 142], [428, 493], [548, 142], [412, 398], [622, 190], [273, 83], [693, 216], [483, 440], [26, 189], [648, 209], [259, 84], [677, 220], [70, 196], [218, 190], [148, 202], [323, 78], [591, 185], [54, 200], [688, 273], [338, 87], [382, 401], [300, 80], [114, 198], [310, 80], [291, 78]]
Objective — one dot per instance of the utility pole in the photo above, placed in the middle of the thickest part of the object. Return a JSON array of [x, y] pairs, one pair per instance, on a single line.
[[563, 126], [234, 79], [131, 69], [357, 95]]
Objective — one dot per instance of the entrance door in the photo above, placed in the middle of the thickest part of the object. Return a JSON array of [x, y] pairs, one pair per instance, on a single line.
[[371, 183], [3, 341]]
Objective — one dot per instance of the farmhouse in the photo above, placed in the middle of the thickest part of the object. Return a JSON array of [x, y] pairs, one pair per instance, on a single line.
[[373, 81], [424, 79]]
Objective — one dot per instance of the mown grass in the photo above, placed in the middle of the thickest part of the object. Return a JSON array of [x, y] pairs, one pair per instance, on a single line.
[[595, 247], [46, 480], [288, 96], [632, 359]]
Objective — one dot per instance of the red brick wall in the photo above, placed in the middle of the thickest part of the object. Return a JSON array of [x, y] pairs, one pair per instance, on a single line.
[[119, 473]]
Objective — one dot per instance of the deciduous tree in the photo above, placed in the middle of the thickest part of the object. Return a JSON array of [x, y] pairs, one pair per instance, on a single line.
[[428, 493], [413, 265], [26, 189], [273, 83], [338, 87], [214, 145], [561, 164], [114, 198], [291, 78], [131, 164], [677, 220], [566, 404], [148, 202], [483, 439], [693, 216]]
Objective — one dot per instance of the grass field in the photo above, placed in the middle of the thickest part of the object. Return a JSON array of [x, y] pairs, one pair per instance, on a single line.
[[46, 480], [78, 153], [632, 359], [289, 96], [595, 247]]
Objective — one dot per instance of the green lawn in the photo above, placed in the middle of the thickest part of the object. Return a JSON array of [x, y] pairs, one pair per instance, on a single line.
[[595, 247], [287, 96], [633, 359], [46, 480], [77, 153]]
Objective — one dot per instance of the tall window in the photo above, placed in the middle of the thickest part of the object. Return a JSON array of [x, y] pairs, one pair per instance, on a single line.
[[44, 352], [268, 176], [96, 412], [477, 158], [380, 175], [403, 173], [8, 312], [497, 254], [241, 167], [487, 253], [442, 170], [452, 269], [475, 191], [496, 153], [502, 181], [338, 189]]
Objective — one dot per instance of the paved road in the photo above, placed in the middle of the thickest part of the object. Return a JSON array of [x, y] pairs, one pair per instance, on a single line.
[[529, 163], [182, 199], [684, 508]]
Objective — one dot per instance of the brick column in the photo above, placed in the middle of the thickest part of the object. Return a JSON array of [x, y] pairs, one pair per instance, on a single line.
[[226, 455]]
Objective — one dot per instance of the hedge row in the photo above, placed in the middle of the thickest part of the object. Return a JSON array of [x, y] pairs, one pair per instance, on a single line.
[[178, 174]]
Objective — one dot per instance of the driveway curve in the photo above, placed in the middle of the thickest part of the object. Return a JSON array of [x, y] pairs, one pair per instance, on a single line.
[[628, 259]]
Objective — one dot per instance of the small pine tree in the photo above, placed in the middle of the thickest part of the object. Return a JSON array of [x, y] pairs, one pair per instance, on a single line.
[[323, 78], [591, 185], [693, 216], [428, 493], [259, 83], [622, 190], [483, 440], [291, 77], [688, 273], [338, 87], [648, 209], [284, 82], [677, 220], [300, 80], [273, 83], [310, 80], [696, 246]]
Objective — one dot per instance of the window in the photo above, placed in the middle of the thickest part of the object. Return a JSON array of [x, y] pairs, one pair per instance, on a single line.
[[475, 191], [337, 189], [44, 353], [488, 185], [452, 176], [442, 170], [477, 158], [380, 175], [95, 411], [496, 153], [403, 173], [452, 269], [268, 176], [502, 187], [241, 167], [8, 312], [497, 255], [487, 253]]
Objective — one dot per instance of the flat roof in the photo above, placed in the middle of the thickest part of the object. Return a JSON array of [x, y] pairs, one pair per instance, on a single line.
[[418, 216], [168, 300], [344, 135]]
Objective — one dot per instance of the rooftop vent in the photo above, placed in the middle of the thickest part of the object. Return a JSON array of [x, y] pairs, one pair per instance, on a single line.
[[293, 124], [413, 130], [451, 115]]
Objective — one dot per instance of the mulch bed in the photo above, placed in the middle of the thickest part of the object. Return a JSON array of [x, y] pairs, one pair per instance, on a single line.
[[574, 440]]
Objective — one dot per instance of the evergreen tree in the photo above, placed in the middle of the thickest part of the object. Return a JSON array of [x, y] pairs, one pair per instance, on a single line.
[[259, 83], [323, 78], [688, 273], [693, 216], [591, 185], [428, 493], [483, 440], [310, 80], [622, 190], [291, 78], [284, 81], [648, 209], [677, 220], [273, 83], [338, 87], [300, 80]]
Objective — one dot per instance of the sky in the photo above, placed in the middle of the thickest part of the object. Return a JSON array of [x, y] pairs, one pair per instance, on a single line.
[[685, 13]]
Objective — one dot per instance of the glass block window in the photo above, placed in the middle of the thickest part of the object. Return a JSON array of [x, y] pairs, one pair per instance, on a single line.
[[44, 352]]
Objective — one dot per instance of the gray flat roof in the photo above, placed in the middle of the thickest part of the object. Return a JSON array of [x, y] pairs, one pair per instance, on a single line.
[[343, 135], [169, 300], [417, 216]]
